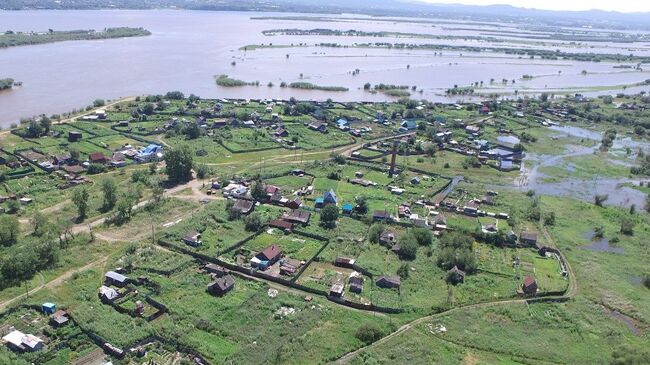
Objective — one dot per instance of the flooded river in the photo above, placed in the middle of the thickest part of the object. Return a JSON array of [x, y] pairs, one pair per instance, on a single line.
[[188, 48]]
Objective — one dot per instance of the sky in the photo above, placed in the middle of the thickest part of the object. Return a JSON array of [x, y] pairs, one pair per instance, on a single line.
[[626, 6]]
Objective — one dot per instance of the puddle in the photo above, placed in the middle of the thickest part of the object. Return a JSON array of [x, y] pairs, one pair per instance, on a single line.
[[636, 280], [629, 322], [511, 140], [600, 244], [577, 132]]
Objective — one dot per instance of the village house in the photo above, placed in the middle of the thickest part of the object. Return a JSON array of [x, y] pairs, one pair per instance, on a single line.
[[528, 238], [152, 152], [293, 204], [387, 237], [243, 206], [108, 294], [529, 287], [21, 342], [356, 282], [471, 208], [281, 132], [404, 210], [456, 275], [289, 266], [336, 290], [389, 282], [347, 209], [266, 257], [318, 127], [97, 157], [74, 136], [59, 318], [407, 125], [283, 225], [113, 278], [329, 198], [298, 216], [222, 285], [472, 129], [381, 216], [440, 222], [344, 262], [193, 239]]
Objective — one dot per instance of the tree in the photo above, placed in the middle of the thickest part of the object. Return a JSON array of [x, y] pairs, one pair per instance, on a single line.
[[253, 222], [80, 199], [408, 247], [599, 199], [202, 171], [109, 189], [9, 230], [374, 232], [369, 333], [329, 215], [362, 205], [39, 223], [179, 162], [403, 271], [423, 236], [258, 192], [627, 226], [549, 219], [13, 206], [123, 210]]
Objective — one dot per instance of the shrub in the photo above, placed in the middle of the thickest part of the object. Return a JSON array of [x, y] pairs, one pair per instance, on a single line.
[[374, 232], [369, 333]]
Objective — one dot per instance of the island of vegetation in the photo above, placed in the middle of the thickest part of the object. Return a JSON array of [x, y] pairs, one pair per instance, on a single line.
[[179, 229], [310, 86], [7, 83], [226, 81], [11, 38]]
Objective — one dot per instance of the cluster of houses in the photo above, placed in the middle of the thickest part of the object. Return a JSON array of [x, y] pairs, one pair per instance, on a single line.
[[23, 342], [113, 281], [67, 164], [356, 280]]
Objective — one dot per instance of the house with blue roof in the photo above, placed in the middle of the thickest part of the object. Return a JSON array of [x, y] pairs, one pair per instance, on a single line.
[[408, 125], [319, 202], [48, 308], [347, 208], [150, 153], [342, 122], [329, 197]]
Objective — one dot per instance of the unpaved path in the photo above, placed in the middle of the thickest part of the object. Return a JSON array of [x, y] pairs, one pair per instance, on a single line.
[[54, 282]]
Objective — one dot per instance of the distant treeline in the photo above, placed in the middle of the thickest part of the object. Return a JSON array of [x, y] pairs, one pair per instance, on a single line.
[[6, 83], [11, 38]]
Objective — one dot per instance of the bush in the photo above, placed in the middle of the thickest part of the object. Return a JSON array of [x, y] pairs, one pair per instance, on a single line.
[[403, 271], [423, 236], [627, 226], [369, 333], [253, 222], [329, 215], [374, 232], [408, 247]]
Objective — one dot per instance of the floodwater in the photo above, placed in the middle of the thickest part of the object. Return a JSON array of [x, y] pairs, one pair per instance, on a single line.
[[583, 189], [188, 48], [508, 140], [600, 244]]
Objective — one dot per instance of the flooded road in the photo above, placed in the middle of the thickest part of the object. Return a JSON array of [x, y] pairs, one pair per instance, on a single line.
[[188, 48]]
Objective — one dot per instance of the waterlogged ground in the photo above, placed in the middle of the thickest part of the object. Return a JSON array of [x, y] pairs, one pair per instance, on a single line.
[[582, 171], [188, 48]]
